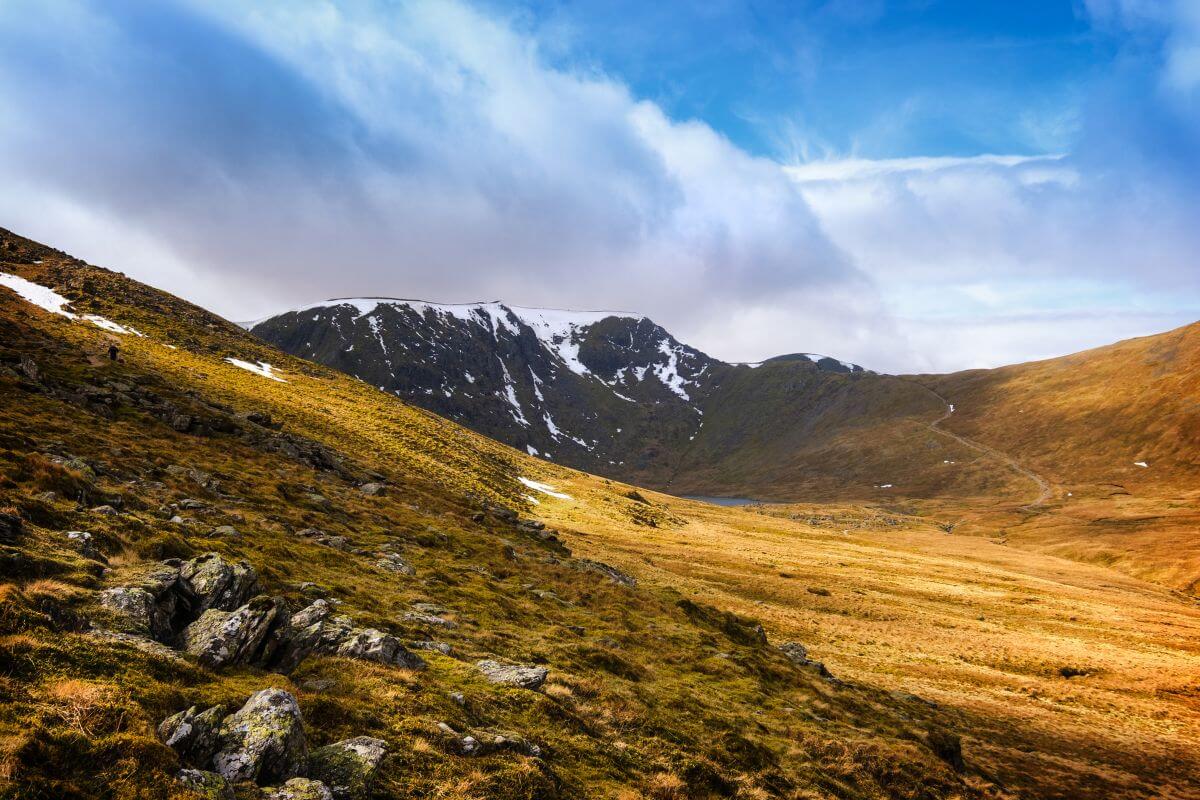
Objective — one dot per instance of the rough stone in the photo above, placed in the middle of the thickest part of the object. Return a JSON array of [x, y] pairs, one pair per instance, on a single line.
[[299, 789], [193, 734], [372, 489], [348, 767], [370, 644], [222, 638], [263, 741], [393, 562], [218, 583], [518, 675], [137, 609], [209, 785]]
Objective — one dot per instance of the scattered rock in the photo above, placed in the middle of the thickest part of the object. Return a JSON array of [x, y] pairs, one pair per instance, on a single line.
[[373, 489], [518, 675], [299, 789], [209, 785], [223, 638], [85, 544], [612, 573], [393, 562], [348, 767], [796, 653], [428, 619], [374, 645], [105, 511], [193, 734], [263, 741], [437, 647], [226, 531], [188, 504]]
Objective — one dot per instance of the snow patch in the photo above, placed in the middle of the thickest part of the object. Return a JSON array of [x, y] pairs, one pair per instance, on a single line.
[[40, 296], [544, 488], [258, 368], [1141, 464]]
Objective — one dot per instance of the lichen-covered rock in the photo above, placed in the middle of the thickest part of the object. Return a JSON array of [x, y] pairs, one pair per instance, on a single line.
[[221, 638], [218, 583], [348, 767], [298, 789], [314, 629], [208, 785], [263, 741], [136, 609], [370, 644], [85, 544], [193, 734], [519, 675], [373, 489]]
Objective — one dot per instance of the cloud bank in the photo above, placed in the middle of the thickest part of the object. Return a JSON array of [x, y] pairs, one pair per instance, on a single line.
[[253, 158]]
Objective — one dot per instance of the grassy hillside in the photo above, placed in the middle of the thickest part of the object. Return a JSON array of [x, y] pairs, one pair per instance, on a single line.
[[171, 452]]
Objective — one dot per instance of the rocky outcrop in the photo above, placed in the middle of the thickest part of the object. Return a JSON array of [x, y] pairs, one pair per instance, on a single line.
[[208, 607], [518, 675], [263, 741], [612, 573], [217, 583], [227, 638], [798, 655], [348, 767], [370, 644]]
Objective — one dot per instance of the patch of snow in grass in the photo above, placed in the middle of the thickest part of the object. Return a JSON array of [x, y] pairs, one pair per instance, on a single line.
[[1141, 464], [40, 296], [260, 368], [533, 500], [108, 325], [544, 488]]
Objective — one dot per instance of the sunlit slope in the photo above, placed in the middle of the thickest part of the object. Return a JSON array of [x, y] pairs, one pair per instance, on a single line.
[[1080, 682], [172, 451]]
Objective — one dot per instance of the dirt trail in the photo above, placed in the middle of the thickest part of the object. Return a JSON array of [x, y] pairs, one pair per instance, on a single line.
[[1045, 490]]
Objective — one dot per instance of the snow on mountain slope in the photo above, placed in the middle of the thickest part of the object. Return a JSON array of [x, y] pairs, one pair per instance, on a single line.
[[608, 391]]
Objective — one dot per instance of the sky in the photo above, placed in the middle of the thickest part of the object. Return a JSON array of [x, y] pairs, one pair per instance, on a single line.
[[916, 186]]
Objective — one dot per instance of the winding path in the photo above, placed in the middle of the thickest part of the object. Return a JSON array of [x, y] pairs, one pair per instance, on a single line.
[[1044, 488]]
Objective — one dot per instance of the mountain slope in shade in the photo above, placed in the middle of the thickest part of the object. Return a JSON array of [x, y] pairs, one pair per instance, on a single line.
[[607, 391]]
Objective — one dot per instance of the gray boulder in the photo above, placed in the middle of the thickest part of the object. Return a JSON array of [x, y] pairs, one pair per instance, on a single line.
[[209, 785], [263, 741], [348, 767], [315, 629], [394, 562], [372, 489], [138, 611], [298, 789], [222, 638], [217, 583], [193, 734], [370, 644], [518, 675]]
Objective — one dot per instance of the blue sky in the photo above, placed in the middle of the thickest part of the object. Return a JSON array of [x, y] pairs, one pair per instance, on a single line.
[[915, 186]]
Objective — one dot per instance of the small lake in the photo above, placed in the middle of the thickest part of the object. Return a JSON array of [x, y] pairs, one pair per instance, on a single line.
[[725, 501]]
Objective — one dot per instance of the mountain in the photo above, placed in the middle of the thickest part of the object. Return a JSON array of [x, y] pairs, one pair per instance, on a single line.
[[610, 392]]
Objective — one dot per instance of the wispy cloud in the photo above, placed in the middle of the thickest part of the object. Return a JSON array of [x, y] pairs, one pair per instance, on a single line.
[[254, 157]]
